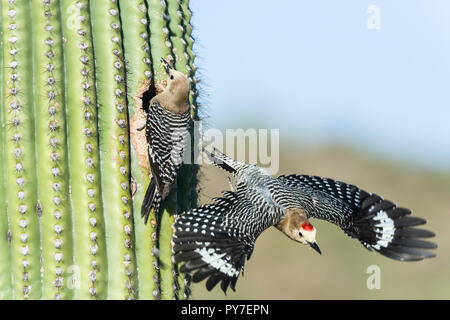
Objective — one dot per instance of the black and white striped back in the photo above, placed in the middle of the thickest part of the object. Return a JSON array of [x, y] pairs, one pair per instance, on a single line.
[[168, 138]]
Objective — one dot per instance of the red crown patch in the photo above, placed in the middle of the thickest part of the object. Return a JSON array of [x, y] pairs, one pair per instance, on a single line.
[[307, 226]]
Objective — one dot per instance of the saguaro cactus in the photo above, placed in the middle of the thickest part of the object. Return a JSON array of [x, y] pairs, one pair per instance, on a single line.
[[76, 75]]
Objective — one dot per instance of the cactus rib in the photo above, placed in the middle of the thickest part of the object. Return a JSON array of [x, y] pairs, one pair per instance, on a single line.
[[134, 19], [51, 157], [20, 170], [187, 40], [114, 148], [185, 176], [84, 168], [160, 47], [186, 14], [5, 253]]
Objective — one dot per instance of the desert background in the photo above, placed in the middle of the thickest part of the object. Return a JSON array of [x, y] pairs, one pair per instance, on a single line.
[[359, 91]]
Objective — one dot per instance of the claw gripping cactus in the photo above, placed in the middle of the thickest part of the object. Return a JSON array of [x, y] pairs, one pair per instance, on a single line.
[[75, 76]]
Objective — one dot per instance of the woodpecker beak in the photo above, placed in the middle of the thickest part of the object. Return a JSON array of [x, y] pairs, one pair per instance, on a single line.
[[315, 246], [166, 66]]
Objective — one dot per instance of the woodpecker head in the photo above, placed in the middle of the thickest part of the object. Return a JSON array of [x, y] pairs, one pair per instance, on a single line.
[[296, 226], [176, 93], [307, 235]]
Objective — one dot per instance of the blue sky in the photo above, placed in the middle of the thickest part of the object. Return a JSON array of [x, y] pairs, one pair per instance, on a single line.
[[315, 70]]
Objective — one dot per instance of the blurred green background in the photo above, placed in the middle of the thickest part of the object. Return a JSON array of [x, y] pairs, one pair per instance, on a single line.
[[283, 269]]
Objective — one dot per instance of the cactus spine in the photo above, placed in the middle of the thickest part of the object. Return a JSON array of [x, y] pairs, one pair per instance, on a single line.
[[74, 169]]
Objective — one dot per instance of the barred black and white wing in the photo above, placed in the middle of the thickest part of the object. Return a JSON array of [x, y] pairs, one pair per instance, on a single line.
[[377, 223], [214, 240], [167, 138]]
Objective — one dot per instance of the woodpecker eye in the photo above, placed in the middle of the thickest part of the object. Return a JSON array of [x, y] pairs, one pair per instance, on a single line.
[[171, 77], [300, 234]]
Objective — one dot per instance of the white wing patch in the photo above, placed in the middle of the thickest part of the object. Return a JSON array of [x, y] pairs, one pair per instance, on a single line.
[[217, 261], [385, 229]]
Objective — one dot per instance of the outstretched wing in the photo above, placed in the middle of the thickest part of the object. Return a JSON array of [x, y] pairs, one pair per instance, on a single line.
[[214, 240], [377, 223], [167, 137]]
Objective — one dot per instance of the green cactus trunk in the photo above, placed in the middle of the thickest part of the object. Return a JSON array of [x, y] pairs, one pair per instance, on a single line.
[[74, 168]]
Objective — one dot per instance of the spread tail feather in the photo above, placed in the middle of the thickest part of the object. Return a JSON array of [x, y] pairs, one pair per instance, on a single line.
[[152, 199]]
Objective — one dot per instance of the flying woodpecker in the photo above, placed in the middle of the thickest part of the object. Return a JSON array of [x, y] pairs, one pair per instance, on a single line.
[[214, 240], [167, 131]]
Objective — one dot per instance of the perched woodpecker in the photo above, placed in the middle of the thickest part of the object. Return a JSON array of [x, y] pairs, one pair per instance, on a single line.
[[214, 240], [167, 131]]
